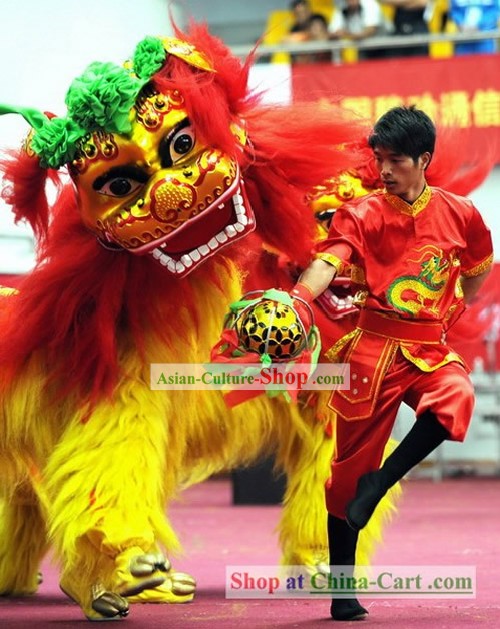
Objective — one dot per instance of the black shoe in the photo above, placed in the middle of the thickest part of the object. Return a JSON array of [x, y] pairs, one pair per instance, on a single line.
[[347, 609], [369, 492]]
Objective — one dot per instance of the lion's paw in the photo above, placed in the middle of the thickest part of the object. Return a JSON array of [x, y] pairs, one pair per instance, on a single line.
[[178, 587], [136, 571], [95, 602]]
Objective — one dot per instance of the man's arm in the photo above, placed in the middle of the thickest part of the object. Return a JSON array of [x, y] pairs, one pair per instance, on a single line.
[[471, 285], [318, 276]]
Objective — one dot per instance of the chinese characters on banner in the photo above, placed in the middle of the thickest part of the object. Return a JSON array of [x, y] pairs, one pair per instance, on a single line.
[[461, 92]]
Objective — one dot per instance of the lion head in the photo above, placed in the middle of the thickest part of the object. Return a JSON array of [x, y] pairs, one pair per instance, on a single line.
[[173, 163]]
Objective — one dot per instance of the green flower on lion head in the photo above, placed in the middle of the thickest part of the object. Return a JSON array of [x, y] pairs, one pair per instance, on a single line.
[[101, 99]]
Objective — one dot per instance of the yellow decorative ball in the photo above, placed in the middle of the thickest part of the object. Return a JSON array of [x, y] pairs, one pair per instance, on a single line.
[[271, 328]]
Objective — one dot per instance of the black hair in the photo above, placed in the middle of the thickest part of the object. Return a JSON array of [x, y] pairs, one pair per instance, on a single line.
[[296, 3], [318, 17], [405, 130], [347, 11]]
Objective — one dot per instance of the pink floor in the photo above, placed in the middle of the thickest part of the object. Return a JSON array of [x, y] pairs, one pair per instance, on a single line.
[[454, 522]]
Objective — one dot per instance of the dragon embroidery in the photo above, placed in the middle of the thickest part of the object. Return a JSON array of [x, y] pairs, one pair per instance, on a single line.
[[414, 293]]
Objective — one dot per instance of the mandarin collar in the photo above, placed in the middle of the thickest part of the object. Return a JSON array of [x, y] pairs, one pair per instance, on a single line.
[[412, 209]]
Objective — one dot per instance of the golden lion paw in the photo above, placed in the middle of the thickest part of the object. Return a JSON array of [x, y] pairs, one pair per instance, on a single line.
[[132, 572], [136, 571], [96, 603], [178, 587]]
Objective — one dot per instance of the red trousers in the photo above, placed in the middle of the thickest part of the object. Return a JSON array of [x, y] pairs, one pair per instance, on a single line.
[[360, 444]]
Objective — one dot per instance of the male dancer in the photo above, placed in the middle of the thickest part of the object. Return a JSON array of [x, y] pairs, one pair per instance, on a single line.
[[417, 254]]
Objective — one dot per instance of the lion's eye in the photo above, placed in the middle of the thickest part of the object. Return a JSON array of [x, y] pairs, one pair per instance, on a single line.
[[182, 143], [179, 143], [121, 181], [120, 187]]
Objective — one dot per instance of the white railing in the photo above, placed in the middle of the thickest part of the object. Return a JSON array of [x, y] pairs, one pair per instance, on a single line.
[[392, 41]]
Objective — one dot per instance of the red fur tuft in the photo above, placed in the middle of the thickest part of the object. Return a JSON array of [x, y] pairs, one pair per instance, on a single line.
[[459, 164], [213, 99], [295, 148], [25, 190]]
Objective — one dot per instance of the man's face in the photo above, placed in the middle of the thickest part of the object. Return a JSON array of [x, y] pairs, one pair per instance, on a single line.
[[302, 13], [400, 174], [318, 30]]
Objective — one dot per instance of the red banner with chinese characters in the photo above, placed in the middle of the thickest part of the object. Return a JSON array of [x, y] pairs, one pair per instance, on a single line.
[[461, 92]]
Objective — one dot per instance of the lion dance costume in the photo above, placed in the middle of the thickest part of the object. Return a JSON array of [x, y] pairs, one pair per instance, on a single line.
[[180, 181]]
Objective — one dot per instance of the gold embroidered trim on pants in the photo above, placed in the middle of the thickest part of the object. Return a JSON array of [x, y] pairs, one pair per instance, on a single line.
[[451, 357], [333, 353]]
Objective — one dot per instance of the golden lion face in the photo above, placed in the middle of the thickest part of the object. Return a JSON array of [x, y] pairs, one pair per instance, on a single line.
[[161, 190], [333, 194]]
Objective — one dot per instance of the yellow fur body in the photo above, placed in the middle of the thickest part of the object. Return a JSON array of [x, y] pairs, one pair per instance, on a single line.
[[101, 481]]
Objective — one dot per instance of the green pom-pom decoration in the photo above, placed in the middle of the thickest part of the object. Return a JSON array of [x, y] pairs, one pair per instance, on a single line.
[[102, 98], [149, 56], [55, 141]]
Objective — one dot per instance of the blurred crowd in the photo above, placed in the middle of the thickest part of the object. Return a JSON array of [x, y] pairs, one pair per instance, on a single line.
[[366, 20]]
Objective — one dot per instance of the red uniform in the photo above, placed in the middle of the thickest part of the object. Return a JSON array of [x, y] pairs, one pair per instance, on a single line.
[[406, 262]]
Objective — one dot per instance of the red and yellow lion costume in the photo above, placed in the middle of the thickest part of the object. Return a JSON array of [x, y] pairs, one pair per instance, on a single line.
[[182, 185]]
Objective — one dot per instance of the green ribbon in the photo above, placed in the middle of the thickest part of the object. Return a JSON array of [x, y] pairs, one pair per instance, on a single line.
[[33, 117]]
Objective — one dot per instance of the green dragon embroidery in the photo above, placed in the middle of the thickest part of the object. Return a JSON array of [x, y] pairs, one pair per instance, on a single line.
[[410, 293]]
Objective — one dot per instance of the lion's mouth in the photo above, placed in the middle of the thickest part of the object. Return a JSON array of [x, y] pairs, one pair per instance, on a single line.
[[336, 301], [228, 219]]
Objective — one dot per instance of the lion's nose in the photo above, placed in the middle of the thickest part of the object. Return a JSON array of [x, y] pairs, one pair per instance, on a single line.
[[170, 197]]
